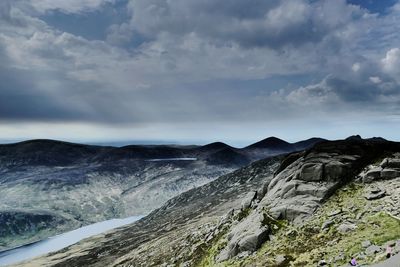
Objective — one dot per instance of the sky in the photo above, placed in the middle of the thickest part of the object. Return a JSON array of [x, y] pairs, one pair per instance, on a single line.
[[197, 71]]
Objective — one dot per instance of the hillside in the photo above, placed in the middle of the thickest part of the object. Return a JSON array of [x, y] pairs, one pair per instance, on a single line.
[[75, 184], [322, 206]]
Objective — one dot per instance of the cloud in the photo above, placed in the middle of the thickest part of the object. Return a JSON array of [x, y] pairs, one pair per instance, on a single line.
[[187, 61], [70, 6], [371, 84], [23, 100], [273, 24], [391, 63]]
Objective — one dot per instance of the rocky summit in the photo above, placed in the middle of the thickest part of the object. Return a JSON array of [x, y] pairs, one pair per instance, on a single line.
[[324, 206]]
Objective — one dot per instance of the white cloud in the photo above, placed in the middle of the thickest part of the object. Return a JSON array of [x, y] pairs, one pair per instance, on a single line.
[[68, 6], [375, 79], [391, 62], [189, 43], [313, 95], [356, 67]]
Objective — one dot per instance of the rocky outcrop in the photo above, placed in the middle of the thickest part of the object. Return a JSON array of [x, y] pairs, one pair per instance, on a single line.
[[346, 227], [247, 235], [248, 200], [297, 190], [293, 194], [388, 169], [375, 193]]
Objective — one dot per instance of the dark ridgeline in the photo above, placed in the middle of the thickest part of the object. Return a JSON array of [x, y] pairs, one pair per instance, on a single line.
[[128, 180], [188, 207], [59, 153]]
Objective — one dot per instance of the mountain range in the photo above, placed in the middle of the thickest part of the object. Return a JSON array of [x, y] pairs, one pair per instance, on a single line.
[[49, 187], [323, 206]]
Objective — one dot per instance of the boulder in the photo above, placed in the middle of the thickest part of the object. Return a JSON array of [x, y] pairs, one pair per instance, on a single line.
[[230, 251], [390, 174], [226, 218], [243, 255], [366, 243], [373, 249], [334, 170], [289, 189], [384, 163], [375, 195], [294, 208], [277, 212], [280, 260], [262, 191], [340, 257], [248, 235], [372, 175], [246, 203], [391, 163], [346, 227], [322, 263], [375, 190], [254, 241], [312, 172], [334, 213], [327, 224]]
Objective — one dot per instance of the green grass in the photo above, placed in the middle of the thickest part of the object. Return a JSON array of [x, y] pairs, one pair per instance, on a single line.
[[209, 255], [306, 245]]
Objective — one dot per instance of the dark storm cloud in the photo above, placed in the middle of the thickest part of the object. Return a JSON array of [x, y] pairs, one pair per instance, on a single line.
[[272, 24], [191, 61], [22, 100], [362, 91]]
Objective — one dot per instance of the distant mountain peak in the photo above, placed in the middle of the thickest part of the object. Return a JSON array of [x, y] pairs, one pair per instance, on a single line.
[[271, 143], [354, 137], [216, 145]]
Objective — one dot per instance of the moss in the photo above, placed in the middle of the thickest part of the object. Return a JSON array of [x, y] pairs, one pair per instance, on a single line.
[[242, 214], [273, 224], [209, 255], [306, 245]]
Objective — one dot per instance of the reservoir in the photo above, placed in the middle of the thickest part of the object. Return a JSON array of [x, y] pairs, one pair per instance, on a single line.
[[61, 241]]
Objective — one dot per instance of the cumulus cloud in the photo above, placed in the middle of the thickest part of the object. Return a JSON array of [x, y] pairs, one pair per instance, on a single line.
[[372, 83], [175, 61], [70, 6], [273, 24], [391, 63]]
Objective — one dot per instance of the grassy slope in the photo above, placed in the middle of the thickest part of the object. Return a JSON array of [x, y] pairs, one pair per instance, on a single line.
[[306, 245]]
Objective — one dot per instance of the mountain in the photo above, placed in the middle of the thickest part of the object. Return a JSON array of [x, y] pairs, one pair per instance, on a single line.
[[321, 206], [301, 145], [46, 152], [76, 184], [276, 144], [271, 143], [228, 157], [215, 146]]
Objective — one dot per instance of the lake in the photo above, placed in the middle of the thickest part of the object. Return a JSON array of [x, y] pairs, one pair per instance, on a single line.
[[61, 241]]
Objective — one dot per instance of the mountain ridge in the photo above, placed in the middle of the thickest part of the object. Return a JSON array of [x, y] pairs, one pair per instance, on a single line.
[[236, 215], [87, 184]]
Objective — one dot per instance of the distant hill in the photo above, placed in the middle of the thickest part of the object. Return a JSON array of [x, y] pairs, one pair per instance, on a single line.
[[305, 208], [83, 184], [276, 144]]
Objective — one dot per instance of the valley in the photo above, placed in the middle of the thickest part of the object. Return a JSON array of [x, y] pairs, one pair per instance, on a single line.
[[316, 207], [50, 187]]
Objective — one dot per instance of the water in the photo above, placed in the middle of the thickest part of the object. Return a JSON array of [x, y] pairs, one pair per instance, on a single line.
[[61, 241]]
